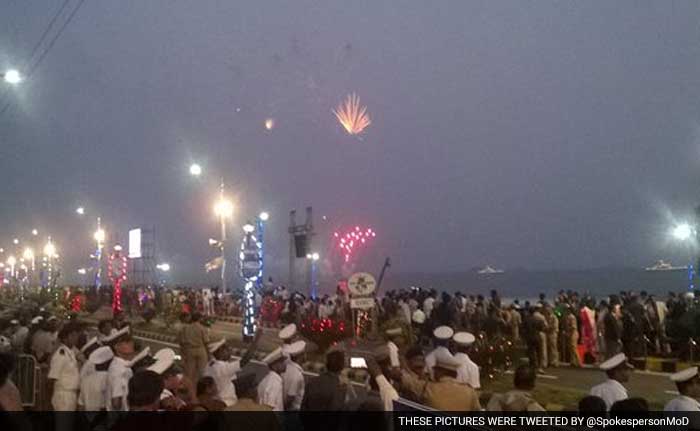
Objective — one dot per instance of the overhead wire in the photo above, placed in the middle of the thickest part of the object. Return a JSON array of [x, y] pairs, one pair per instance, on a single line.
[[50, 45]]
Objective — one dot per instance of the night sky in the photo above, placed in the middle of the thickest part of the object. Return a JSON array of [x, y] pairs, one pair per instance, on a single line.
[[533, 134]]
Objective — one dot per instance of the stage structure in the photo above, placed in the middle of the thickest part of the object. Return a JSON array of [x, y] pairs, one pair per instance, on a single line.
[[142, 254], [251, 266], [300, 240]]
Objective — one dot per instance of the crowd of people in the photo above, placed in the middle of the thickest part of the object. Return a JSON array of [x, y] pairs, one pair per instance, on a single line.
[[427, 355]]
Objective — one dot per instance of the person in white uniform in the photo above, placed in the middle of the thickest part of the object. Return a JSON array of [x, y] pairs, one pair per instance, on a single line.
[[271, 387], [173, 381], [93, 387], [468, 372], [442, 335], [618, 371], [688, 384], [88, 367], [224, 370], [119, 372], [64, 374], [293, 377]]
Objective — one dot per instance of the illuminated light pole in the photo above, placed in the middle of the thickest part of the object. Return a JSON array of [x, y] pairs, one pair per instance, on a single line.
[[313, 259], [223, 209], [49, 253], [28, 255], [684, 232], [99, 237], [12, 261]]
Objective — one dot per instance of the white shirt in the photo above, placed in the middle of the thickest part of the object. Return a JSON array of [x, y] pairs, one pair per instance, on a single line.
[[271, 391], [64, 369], [430, 360], [118, 377], [428, 306], [386, 392], [223, 373], [682, 403], [87, 369], [93, 391], [468, 372], [610, 391], [293, 381], [393, 354]]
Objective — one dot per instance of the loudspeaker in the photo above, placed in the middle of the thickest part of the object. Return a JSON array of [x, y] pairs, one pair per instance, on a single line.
[[302, 245]]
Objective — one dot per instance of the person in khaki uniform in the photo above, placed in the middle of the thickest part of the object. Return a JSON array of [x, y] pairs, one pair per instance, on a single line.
[[542, 329], [520, 399], [443, 393], [193, 340], [552, 336], [571, 341]]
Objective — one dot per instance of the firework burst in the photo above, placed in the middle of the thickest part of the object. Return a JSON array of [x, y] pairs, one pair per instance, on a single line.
[[353, 239], [352, 116]]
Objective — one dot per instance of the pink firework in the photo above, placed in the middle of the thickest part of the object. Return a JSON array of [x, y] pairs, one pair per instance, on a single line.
[[354, 238]]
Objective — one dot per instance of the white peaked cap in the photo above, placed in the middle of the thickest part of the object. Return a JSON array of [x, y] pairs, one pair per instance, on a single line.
[[464, 338], [288, 331], [685, 375], [295, 348], [443, 332], [101, 355], [165, 358], [273, 356], [614, 362], [213, 347]]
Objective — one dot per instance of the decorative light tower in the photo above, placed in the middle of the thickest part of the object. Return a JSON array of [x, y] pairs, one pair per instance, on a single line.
[[251, 265], [117, 274]]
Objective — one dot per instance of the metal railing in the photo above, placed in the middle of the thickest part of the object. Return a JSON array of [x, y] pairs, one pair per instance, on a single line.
[[26, 378]]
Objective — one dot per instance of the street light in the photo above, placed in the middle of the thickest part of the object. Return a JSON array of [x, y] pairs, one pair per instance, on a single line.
[[264, 216], [80, 210], [195, 170], [223, 208], [15, 241], [100, 236], [12, 262], [313, 259], [35, 232], [165, 267], [12, 76], [682, 231], [28, 255]]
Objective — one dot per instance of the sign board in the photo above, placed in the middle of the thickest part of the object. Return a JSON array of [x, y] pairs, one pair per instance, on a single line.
[[362, 284], [135, 244], [362, 303]]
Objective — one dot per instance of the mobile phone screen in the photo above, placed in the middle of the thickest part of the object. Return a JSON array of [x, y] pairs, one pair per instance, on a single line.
[[358, 363]]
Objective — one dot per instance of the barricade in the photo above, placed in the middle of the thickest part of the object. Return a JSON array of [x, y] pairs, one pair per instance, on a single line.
[[26, 378]]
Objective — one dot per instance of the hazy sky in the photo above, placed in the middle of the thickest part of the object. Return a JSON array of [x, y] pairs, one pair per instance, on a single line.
[[536, 134]]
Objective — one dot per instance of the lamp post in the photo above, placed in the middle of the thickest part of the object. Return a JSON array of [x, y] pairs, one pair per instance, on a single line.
[[99, 236], [685, 232], [49, 253], [223, 209], [313, 259], [12, 261]]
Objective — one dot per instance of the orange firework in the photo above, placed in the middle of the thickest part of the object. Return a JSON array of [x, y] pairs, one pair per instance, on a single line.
[[352, 116]]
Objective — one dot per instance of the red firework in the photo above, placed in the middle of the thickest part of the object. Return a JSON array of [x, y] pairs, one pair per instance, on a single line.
[[353, 239]]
